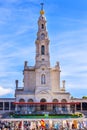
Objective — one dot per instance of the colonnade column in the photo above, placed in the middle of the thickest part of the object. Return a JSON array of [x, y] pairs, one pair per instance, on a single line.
[[75, 107], [9, 106], [68, 108], [16, 107], [81, 106], [3, 106]]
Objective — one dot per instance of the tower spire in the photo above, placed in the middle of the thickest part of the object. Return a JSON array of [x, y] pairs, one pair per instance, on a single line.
[[42, 11]]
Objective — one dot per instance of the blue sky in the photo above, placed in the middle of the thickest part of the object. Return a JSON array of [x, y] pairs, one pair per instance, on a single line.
[[67, 29]]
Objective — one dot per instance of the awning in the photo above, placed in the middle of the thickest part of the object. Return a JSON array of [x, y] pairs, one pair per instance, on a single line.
[[47, 103]]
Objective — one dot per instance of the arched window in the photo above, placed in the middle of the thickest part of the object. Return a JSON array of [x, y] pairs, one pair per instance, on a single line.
[[43, 79], [42, 26], [42, 50]]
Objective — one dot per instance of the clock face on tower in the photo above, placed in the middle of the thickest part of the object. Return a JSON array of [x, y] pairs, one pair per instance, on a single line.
[[42, 36]]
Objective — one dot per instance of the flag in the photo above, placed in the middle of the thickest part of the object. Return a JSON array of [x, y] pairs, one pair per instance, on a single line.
[[42, 123]]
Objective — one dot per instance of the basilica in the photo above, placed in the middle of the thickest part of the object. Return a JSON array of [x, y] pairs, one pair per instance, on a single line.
[[41, 82], [41, 90]]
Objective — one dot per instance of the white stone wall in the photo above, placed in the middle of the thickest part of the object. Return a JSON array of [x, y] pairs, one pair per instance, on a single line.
[[44, 94], [60, 96], [55, 80], [46, 71], [29, 80], [26, 97]]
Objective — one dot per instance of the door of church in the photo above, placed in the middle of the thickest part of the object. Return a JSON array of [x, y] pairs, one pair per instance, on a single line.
[[42, 106]]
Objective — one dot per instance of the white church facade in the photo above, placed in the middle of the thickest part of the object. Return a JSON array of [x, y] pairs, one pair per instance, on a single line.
[[42, 82]]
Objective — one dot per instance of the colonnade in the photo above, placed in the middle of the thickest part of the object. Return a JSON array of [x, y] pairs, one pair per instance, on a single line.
[[6, 106], [9, 106]]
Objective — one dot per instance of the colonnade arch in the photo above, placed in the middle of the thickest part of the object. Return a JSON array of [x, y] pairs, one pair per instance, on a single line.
[[21, 107], [42, 106], [64, 106], [30, 100], [21, 100], [55, 106], [84, 105], [30, 107]]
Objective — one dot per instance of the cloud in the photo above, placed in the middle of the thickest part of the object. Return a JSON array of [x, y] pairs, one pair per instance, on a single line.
[[5, 91]]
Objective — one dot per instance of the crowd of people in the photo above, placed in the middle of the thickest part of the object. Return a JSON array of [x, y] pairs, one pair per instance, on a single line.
[[55, 125], [74, 124], [11, 125]]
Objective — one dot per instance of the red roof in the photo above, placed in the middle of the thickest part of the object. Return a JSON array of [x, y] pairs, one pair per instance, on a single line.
[[48, 103]]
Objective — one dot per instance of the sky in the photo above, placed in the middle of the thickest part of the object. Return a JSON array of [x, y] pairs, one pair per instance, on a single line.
[[67, 30]]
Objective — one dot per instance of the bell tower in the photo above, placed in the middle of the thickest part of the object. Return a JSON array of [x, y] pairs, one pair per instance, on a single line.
[[42, 42], [42, 63]]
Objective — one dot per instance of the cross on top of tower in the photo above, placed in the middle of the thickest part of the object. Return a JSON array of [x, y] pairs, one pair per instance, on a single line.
[[42, 11], [42, 6]]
